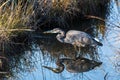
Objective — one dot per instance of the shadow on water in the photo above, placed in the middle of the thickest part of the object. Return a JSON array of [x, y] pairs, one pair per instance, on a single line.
[[27, 54]]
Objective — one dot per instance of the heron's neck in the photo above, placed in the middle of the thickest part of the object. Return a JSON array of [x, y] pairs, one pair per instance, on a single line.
[[61, 36], [59, 69]]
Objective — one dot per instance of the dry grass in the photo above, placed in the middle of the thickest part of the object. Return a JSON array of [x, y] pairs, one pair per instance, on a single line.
[[13, 19], [65, 13], [60, 13]]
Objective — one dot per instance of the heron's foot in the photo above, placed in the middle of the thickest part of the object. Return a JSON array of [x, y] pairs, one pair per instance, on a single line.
[[79, 52], [78, 55], [75, 47]]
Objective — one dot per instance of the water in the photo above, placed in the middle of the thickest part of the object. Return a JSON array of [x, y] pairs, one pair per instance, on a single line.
[[109, 54]]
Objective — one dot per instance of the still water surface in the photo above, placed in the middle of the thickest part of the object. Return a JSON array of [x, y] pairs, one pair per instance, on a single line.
[[109, 54]]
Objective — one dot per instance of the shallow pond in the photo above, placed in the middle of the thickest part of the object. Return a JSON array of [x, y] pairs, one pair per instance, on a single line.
[[48, 50]]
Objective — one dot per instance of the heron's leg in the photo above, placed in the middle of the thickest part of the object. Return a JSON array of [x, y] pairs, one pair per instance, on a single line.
[[76, 50], [75, 47], [79, 50]]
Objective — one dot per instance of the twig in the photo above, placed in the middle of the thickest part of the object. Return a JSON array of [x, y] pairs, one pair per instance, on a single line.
[[105, 77], [2, 57], [11, 30], [3, 72], [4, 4], [101, 19], [95, 17], [16, 43]]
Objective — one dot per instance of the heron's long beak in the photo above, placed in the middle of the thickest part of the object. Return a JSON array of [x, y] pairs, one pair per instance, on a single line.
[[49, 31]]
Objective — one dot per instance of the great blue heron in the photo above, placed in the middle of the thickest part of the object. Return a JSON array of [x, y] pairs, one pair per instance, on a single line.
[[74, 37], [74, 65]]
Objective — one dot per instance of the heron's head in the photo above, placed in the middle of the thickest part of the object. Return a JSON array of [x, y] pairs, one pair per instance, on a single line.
[[55, 30]]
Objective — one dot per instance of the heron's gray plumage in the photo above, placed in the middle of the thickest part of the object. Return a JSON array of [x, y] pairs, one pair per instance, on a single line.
[[74, 37], [78, 38]]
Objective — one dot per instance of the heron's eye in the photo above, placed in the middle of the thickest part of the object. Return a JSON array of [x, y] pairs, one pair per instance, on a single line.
[[57, 31]]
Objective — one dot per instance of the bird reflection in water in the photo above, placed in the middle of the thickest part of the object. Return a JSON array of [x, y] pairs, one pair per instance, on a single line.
[[74, 65]]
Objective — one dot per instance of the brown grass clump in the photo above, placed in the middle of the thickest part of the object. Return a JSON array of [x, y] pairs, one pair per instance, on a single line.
[[13, 18]]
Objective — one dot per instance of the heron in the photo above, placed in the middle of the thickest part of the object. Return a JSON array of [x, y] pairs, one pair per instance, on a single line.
[[75, 37], [77, 65]]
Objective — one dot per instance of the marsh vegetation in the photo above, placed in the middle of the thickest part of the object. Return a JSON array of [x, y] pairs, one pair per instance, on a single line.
[[24, 48]]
